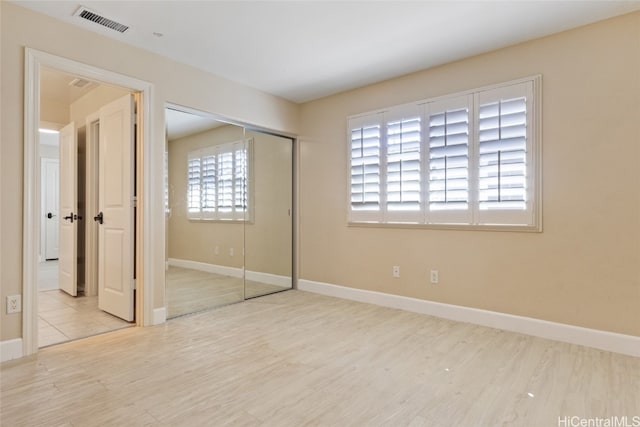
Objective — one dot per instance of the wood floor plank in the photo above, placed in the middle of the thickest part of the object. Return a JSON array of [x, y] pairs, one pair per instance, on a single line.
[[296, 359]]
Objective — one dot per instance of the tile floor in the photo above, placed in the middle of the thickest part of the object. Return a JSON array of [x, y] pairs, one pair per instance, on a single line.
[[48, 275], [62, 317]]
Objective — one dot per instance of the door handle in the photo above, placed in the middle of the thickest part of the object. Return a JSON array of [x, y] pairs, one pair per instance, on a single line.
[[99, 218], [69, 217], [50, 215]]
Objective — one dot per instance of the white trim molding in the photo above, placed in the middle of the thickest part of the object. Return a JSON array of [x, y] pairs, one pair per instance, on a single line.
[[11, 349], [159, 315], [268, 278], [209, 268], [603, 340], [271, 279]]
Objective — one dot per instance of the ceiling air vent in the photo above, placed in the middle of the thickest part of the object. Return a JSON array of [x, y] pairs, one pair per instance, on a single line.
[[78, 82], [87, 14]]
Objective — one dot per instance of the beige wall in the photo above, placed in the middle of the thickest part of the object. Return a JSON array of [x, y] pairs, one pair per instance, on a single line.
[[583, 269], [172, 82], [266, 240]]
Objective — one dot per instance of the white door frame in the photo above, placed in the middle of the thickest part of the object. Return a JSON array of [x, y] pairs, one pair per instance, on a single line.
[[34, 60], [92, 124]]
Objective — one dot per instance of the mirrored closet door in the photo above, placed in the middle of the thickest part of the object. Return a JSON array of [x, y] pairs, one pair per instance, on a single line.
[[268, 225], [228, 213]]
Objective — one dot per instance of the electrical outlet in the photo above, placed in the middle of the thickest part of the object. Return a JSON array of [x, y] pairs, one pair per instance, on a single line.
[[231, 252], [14, 304], [396, 271], [434, 276]]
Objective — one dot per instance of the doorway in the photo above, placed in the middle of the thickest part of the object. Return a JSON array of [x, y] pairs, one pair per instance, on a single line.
[[35, 62], [69, 304]]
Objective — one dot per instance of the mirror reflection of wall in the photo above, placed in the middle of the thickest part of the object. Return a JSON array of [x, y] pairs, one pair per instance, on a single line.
[[229, 206]]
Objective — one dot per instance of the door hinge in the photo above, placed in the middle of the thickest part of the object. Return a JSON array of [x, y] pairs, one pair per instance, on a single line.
[[133, 284], [134, 201]]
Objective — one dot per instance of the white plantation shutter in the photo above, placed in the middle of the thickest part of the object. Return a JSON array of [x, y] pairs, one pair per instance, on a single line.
[[225, 183], [167, 205], [208, 184], [403, 164], [504, 152], [193, 185], [365, 139], [240, 180], [449, 153]]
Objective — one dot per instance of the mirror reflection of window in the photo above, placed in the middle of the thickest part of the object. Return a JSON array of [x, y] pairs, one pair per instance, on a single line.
[[217, 181]]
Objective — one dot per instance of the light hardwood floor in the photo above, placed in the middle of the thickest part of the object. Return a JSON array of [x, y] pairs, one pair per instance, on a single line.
[[191, 291], [299, 359]]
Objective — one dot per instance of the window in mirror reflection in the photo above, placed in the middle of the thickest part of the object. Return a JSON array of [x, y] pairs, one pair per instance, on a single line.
[[217, 181]]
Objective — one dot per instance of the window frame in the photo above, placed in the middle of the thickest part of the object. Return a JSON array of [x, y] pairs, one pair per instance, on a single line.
[[216, 215], [529, 219]]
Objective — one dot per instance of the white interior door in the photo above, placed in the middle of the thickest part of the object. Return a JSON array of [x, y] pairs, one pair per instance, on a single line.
[[50, 172], [68, 224], [115, 202]]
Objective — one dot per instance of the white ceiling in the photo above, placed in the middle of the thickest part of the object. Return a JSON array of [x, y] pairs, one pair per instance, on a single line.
[[303, 50], [181, 123], [57, 86]]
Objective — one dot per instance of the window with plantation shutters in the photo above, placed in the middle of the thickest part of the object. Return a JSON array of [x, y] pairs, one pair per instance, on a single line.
[[403, 163], [217, 182], [464, 160]]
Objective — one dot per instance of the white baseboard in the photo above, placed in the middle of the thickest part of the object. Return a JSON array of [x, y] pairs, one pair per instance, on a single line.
[[10, 349], [603, 340], [159, 315], [209, 268], [272, 279]]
